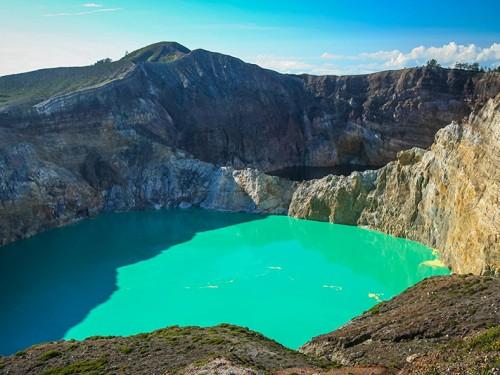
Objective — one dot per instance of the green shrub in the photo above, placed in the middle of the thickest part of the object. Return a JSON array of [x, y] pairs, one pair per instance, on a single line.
[[48, 355], [487, 341], [87, 367]]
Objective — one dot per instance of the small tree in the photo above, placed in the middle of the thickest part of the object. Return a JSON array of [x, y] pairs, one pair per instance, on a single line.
[[475, 67], [107, 60], [432, 63]]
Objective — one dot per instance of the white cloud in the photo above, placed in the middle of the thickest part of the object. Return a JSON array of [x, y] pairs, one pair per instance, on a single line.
[[21, 52], [368, 62], [447, 55], [284, 65], [84, 13], [92, 5]]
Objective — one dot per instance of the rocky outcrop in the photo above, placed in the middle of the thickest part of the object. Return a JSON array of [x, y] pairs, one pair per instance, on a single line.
[[439, 314], [37, 194], [223, 349], [447, 197], [337, 199], [248, 190]]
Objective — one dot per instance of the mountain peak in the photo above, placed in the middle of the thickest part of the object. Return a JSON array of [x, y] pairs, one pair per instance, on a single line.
[[158, 52]]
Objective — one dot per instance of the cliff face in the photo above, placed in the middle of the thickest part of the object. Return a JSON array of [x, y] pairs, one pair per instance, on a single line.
[[224, 111], [447, 197], [168, 127], [37, 194]]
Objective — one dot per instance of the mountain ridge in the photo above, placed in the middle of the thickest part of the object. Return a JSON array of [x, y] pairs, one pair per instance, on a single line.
[[203, 98]]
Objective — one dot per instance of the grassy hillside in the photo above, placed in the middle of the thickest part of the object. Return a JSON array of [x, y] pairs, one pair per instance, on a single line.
[[34, 87], [162, 52]]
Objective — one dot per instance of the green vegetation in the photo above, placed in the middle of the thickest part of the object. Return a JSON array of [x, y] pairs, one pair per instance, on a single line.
[[432, 63], [125, 349], [107, 60], [34, 87], [466, 66], [473, 67], [88, 367], [376, 309], [162, 52], [48, 355], [488, 341]]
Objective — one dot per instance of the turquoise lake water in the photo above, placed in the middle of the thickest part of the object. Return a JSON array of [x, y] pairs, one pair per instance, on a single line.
[[126, 273]]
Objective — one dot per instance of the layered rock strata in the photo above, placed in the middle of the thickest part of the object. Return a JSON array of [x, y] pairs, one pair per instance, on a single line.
[[227, 112]]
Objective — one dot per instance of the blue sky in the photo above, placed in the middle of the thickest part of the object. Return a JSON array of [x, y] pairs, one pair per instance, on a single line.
[[319, 37]]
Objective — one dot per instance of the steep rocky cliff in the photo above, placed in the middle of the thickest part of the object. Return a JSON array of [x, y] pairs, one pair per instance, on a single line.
[[37, 194], [169, 127], [447, 197], [224, 111]]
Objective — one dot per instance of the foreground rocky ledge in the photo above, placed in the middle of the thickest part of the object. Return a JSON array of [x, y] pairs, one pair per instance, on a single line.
[[430, 315], [441, 325]]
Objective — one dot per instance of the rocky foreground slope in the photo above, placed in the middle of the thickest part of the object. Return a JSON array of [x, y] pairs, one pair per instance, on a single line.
[[441, 325]]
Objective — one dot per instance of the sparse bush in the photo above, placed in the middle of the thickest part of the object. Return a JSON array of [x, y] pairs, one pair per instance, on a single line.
[[48, 355], [475, 67], [80, 367], [107, 60], [488, 341], [432, 63]]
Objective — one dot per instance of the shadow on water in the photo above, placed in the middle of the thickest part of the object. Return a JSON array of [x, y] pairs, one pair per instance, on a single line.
[[50, 282]]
